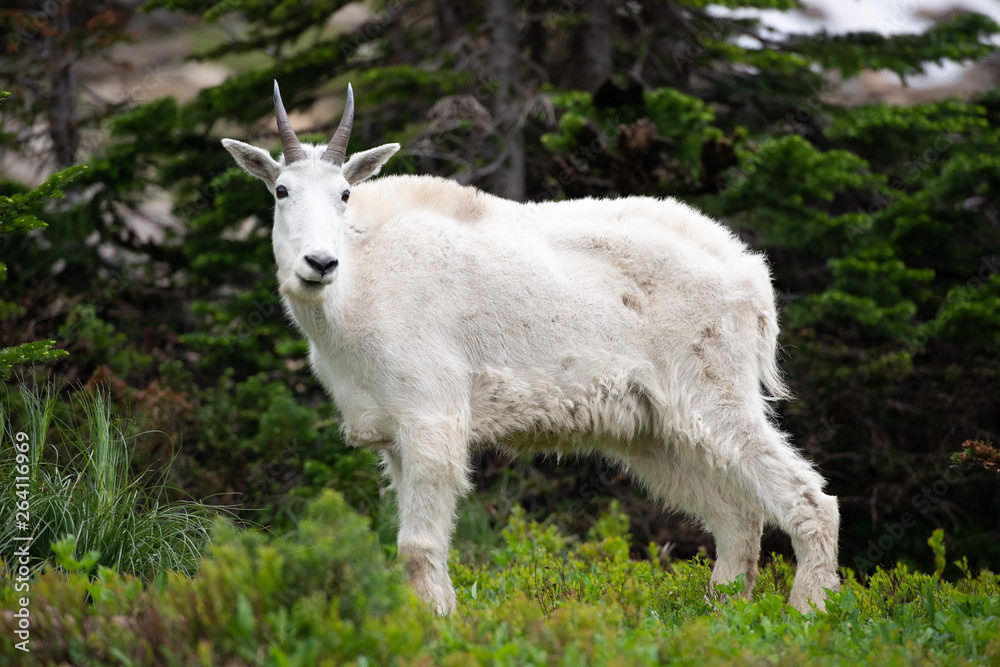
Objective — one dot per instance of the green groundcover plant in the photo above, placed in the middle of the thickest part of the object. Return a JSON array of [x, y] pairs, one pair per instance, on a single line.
[[324, 594]]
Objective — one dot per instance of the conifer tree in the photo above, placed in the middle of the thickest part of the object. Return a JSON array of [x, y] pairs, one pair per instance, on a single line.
[[17, 217]]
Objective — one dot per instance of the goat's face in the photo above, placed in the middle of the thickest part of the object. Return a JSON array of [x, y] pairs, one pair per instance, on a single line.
[[310, 199], [311, 187]]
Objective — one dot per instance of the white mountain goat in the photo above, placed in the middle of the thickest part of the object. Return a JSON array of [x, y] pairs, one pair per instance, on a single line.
[[442, 319]]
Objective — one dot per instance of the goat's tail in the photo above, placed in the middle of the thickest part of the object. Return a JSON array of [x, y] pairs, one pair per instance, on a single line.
[[770, 374]]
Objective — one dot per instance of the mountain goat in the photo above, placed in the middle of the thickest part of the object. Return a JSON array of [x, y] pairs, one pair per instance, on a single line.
[[442, 319]]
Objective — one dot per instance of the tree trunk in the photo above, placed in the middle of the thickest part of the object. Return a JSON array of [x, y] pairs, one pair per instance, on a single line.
[[509, 180], [63, 124], [448, 25], [600, 56]]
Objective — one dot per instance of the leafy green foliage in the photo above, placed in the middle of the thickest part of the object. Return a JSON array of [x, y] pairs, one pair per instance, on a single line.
[[684, 121], [978, 453], [65, 556], [324, 594], [285, 450], [97, 338]]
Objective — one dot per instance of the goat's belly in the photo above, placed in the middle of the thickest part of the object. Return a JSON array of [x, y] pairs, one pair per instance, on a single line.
[[577, 445], [535, 412]]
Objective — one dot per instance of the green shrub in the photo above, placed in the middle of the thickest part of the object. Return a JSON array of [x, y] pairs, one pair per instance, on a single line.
[[548, 599], [284, 450], [98, 339], [323, 594]]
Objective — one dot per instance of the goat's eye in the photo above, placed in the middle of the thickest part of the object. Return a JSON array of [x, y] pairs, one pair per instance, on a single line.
[[344, 197], [281, 192]]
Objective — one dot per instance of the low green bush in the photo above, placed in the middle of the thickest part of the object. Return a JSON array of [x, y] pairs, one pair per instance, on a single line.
[[326, 594], [322, 595]]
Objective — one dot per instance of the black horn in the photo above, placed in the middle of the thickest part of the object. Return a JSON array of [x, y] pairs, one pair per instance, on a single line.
[[337, 149], [290, 146]]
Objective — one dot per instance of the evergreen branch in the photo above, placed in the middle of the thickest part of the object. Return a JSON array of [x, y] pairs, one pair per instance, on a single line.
[[27, 353]]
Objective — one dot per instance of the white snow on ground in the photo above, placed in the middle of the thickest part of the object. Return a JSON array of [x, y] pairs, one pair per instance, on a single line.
[[886, 17]]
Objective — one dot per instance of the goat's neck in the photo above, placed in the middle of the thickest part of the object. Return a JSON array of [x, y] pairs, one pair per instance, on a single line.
[[320, 319]]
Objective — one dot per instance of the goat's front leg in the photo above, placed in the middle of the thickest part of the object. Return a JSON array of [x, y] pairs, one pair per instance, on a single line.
[[428, 465]]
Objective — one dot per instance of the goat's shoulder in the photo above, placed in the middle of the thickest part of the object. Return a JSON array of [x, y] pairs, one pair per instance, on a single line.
[[392, 197]]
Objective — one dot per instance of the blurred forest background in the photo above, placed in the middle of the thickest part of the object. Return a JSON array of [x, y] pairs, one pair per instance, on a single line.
[[877, 204]]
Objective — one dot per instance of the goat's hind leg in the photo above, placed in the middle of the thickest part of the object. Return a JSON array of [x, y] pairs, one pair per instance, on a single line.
[[737, 531], [791, 493], [696, 488]]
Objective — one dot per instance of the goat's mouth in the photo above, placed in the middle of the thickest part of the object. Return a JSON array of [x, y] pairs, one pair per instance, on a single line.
[[313, 284]]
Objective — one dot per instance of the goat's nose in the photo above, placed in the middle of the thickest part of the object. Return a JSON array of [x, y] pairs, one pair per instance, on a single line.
[[323, 265]]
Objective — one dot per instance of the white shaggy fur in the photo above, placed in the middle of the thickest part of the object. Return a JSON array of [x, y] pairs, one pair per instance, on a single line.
[[637, 328]]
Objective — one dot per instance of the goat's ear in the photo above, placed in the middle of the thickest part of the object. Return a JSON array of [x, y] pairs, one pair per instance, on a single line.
[[256, 161], [368, 163]]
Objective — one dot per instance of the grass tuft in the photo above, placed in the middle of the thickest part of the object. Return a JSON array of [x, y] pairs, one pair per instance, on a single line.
[[92, 498]]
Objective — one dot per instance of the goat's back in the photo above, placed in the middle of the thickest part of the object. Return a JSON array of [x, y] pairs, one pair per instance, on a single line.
[[550, 311]]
